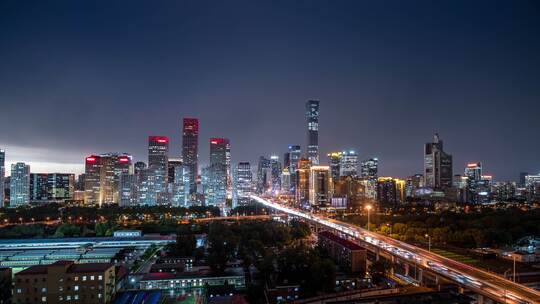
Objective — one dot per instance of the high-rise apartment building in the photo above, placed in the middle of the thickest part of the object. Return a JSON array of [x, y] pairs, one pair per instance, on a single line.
[[190, 144], [51, 187], [2, 176], [243, 184], [158, 164], [320, 187], [19, 188], [220, 157], [438, 172], [312, 116]]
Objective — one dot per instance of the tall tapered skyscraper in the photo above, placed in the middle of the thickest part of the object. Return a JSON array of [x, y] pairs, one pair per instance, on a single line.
[[190, 143], [312, 116]]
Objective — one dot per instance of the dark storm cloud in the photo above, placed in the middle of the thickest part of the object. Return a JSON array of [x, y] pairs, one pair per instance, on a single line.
[[91, 77]]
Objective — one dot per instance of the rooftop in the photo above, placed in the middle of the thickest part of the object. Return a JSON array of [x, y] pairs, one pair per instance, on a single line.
[[343, 242], [71, 268]]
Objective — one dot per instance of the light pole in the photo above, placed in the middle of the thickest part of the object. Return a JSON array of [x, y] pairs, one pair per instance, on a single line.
[[514, 256], [429, 242], [368, 208]]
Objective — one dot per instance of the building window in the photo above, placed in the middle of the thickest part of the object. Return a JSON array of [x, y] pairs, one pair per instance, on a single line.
[[44, 289], [99, 296], [68, 298], [44, 299], [75, 278], [19, 290], [76, 297], [84, 278], [60, 288], [76, 287], [100, 277], [92, 278]]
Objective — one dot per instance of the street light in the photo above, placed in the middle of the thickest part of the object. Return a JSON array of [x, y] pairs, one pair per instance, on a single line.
[[368, 208], [429, 241]]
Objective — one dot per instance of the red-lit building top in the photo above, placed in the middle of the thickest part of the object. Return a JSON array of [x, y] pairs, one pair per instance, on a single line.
[[158, 139]]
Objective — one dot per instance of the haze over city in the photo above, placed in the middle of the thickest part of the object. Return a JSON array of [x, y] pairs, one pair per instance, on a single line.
[[81, 78]]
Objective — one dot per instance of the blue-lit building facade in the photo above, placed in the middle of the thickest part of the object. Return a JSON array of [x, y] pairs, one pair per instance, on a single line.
[[19, 187]]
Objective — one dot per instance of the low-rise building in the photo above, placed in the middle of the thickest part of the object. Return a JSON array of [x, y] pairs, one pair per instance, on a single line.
[[65, 281], [347, 254]]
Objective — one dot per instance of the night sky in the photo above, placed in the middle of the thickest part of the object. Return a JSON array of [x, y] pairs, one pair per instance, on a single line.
[[82, 77]]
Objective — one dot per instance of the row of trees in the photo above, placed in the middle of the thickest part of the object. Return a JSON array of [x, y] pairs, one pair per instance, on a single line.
[[109, 212], [485, 227]]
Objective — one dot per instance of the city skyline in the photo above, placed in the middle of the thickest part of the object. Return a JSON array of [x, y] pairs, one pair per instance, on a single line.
[[386, 84]]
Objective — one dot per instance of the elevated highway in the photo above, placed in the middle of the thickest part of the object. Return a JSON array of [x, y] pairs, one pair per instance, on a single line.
[[487, 284]]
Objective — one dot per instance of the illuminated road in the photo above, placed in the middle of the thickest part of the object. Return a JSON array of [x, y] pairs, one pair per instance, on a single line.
[[480, 281]]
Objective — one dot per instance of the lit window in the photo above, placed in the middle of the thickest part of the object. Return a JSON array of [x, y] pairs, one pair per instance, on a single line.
[[19, 290], [76, 297], [76, 287], [92, 278], [100, 277], [75, 278], [60, 288], [99, 296], [44, 289], [84, 278], [43, 299], [68, 298]]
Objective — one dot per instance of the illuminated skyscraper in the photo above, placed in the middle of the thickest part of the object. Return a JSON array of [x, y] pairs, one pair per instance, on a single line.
[[334, 159], [437, 165], [312, 116], [348, 163], [51, 187], [2, 176], [532, 186], [190, 144], [390, 191], [295, 154], [369, 169], [286, 180], [264, 174], [102, 177], [242, 184], [320, 187], [473, 173], [302, 183], [19, 188], [158, 164], [220, 157], [275, 166]]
